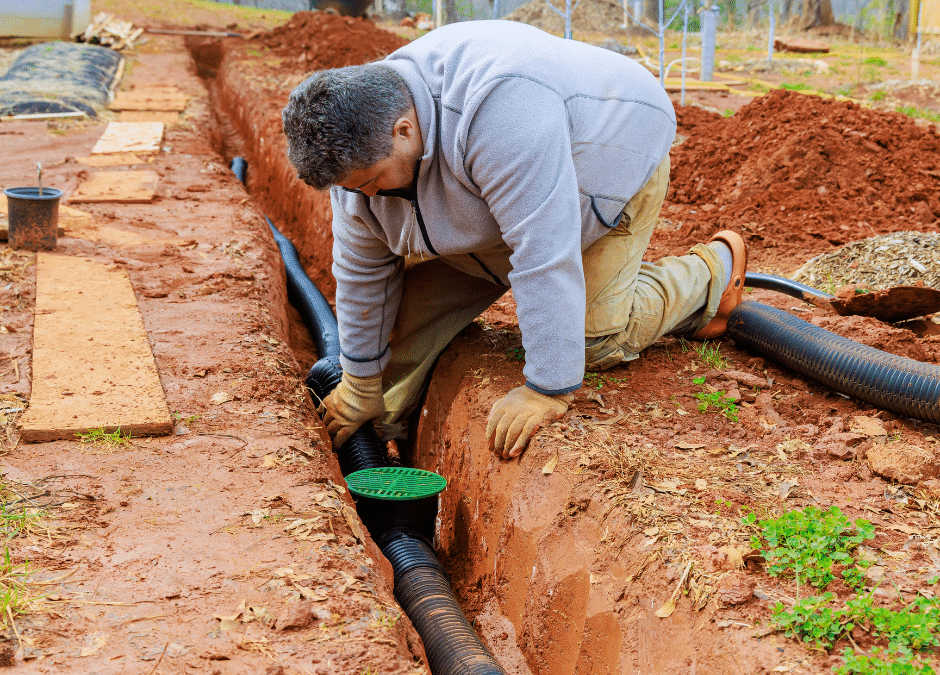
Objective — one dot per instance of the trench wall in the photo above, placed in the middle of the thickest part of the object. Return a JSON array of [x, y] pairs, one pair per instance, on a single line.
[[541, 563]]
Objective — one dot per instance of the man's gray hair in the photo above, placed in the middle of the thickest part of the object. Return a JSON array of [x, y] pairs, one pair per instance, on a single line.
[[341, 120]]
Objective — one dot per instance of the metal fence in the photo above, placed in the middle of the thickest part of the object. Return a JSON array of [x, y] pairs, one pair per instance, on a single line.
[[879, 18]]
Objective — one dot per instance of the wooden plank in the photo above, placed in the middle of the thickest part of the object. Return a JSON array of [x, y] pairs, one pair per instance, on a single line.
[[167, 117], [130, 137], [126, 187], [157, 98], [92, 363], [117, 159]]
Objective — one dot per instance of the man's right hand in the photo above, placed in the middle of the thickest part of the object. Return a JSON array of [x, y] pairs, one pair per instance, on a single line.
[[355, 401]]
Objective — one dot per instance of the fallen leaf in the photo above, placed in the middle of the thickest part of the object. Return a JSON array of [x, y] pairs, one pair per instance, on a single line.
[[308, 593], [906, 529], [352, 519], [228, 624], [269, 461], [100, 642], [550, 465], [651, 531], [734, 555], [221, 397], [259, 514], [667, 609], [684, 445], [786, 487], [867, 426], [701, 484]]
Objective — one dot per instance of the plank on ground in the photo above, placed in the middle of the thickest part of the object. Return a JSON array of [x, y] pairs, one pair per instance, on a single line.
[[92, 363], [129, 137], [162, 98], [126, 187], [167, 117], [117, 159]]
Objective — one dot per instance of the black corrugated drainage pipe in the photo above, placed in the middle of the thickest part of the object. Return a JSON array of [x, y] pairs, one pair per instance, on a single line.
[[895, 383], [792, 288], [421, 584]]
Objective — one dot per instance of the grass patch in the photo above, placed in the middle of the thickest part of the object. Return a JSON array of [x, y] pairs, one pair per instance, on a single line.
[[106, 441], [799, 86], [919, 113], [875, 61], [709, 353]]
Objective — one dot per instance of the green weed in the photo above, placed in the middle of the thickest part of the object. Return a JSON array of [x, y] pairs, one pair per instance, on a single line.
[[15, 596], [898, 662], [599, 381], [186, 419], [812, 620], [106, 440], [799, 86], [806, 544], [727, 113], [878, 95], [517, 353], [875, 61], [717, 399]]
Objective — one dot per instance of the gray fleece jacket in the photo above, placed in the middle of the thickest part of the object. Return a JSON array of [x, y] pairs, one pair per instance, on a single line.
[[533, 145]]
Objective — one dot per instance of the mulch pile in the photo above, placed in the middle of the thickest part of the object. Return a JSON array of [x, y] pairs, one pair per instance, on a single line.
[[319, 40], [802, 173], [590, 16]]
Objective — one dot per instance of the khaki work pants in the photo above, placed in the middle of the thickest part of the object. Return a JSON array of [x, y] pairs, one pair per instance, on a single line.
[[630, 304]]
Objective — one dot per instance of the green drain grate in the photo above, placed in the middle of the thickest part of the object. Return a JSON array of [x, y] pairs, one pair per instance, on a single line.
[[395, 483]]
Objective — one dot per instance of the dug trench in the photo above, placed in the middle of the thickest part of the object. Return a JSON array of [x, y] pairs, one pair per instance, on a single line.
[[616, 543]]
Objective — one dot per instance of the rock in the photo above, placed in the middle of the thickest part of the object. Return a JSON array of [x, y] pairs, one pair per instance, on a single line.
[[735, 588], [299, 615], [799, 45], [746, 379], [276, 669], [902, 462], [839, 445]]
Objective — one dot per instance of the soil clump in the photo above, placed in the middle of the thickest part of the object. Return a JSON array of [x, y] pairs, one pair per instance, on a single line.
[[320, 40], [800, 175]]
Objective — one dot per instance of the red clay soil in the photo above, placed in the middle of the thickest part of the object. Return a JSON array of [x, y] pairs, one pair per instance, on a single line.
[[801, 175], [317, 40], [561, 558]]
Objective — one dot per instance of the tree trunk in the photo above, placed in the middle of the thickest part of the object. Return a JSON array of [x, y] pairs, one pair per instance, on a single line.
[[817, 13]]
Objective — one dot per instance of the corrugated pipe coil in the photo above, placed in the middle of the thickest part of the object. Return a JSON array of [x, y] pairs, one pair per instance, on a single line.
[[421, 584], [895, 383]]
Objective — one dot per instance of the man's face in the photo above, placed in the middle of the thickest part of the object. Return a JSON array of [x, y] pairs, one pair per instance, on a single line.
[[396, 171], [392, 173]]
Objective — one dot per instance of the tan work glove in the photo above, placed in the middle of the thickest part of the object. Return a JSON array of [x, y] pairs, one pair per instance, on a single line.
[[355, 401], [518, 415]]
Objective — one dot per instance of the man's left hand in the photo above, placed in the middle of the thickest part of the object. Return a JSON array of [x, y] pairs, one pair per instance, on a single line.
[[518, 415]]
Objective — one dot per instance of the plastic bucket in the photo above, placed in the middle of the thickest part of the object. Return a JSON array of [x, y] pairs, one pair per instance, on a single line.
[[33, 219]]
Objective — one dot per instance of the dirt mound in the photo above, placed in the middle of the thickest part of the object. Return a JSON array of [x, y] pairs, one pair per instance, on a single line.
[[797, 171], [319, 40], [590, 16]]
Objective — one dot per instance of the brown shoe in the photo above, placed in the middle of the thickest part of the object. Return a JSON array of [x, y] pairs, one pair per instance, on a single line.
[[731, 297]]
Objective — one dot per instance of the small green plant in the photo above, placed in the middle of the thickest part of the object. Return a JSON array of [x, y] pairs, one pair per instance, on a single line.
[[598, 381], [878, 95], [710, 353], [717, 399], [806, 544], [728, 113], [875, 61], [517, 353], [799, 86], [812, 620], [186, 419], [897, 662], [108, 440]]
